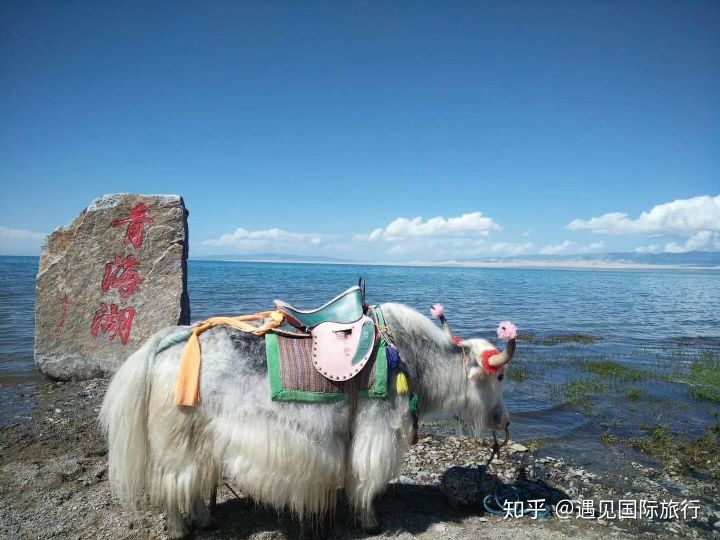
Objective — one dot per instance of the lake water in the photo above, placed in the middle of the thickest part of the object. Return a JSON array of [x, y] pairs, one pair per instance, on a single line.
[[658, 320]]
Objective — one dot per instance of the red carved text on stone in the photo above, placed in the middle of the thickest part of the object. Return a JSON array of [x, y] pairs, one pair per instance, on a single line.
[[136, 222], [113, 321], [123, 275], [63, 315]]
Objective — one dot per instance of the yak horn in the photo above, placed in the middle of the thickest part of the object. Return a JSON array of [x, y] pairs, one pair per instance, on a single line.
[[500, 359], [446, 326], [437, 311]]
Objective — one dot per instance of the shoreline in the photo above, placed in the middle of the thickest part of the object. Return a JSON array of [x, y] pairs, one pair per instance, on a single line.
[[521, 265], [53, 470]]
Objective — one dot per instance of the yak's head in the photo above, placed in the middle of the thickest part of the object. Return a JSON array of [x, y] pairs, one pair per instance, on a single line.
[[484, 369]]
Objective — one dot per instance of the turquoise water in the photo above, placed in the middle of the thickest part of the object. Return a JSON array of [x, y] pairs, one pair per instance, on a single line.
[[658, 320]]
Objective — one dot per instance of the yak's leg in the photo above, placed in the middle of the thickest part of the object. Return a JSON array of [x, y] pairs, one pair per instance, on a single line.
[[174, 521], [378, 444], [213, 499], [200, 514], [203, 485], [185, 505]]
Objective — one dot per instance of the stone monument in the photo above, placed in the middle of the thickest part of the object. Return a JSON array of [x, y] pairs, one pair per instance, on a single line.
[[109, 280]]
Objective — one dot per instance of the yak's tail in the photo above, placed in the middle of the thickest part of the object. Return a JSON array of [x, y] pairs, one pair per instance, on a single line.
[[124, 421]]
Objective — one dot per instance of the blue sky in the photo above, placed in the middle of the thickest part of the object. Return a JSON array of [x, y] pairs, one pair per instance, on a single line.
[[341, 129]]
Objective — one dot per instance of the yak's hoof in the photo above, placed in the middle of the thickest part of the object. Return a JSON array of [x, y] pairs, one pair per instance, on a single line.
[[210, 522], [177, 532], [371, 526]]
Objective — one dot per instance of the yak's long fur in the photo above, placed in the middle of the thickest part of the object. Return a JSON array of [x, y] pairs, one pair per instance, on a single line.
[[288, 455]]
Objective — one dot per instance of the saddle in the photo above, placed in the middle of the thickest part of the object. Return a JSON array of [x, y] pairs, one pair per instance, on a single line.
[[343, 335]]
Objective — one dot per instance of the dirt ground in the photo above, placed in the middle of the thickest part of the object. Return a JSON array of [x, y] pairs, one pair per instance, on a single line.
[[53, 484]]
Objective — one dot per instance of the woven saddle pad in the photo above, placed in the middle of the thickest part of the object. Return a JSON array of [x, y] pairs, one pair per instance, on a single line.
[[293, 376]]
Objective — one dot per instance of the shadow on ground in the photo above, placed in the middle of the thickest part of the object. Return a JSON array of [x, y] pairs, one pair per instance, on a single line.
[[403, 508]]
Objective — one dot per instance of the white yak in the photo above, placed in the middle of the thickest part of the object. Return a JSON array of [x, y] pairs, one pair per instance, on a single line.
[[287, 455]]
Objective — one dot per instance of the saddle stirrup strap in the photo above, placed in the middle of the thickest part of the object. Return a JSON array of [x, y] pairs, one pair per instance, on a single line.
[[361, 285]]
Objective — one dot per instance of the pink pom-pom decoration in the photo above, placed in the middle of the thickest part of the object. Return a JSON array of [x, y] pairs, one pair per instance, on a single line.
[[507, 331], [437, 311]]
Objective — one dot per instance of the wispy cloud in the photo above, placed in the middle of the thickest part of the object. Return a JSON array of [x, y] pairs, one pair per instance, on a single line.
[[566, 246], [457, 248], [247, 240], [473, 224], [20, 241], [509, 248], [592, 246], [653, 248], [682, 216], [9, 233]]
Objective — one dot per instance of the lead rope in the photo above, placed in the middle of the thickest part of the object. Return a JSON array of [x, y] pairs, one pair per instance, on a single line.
[[495, 497], [496, 503]]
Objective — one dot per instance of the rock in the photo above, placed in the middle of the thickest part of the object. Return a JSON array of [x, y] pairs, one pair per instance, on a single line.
[[517, 447], [109, 280]]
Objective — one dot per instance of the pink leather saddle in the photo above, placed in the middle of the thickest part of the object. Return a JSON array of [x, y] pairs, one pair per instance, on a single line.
[[343, 336]]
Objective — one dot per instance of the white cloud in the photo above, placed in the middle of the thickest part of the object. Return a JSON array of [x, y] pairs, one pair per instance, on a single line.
[[557, 249], [683, 216], [510, 248], [8, 233], [372, 237], [654, 248], [456, 248], [527, 233], [243, 239], [592, 246], [701, 241], [472, 224]]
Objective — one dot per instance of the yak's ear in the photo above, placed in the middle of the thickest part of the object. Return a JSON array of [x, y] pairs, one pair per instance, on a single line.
[[475, 373], [473, 369]]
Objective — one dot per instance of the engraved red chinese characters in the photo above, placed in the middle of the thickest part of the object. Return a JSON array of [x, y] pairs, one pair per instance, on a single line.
[[136, 223], [61, 323], [113, 321], [123, 275]]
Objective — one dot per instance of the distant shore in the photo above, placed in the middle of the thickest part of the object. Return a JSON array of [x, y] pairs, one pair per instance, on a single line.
[[525, 265], [493, 264]]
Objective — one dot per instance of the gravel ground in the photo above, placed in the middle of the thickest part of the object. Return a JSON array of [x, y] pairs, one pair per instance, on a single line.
[[53, 483]]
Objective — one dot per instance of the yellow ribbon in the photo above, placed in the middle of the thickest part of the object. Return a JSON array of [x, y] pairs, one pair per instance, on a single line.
[[187, 387]]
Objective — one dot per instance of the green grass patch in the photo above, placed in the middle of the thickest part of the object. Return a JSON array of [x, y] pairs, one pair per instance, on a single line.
[[659, 444], [677, 453], [559, 339], [576, 391], [703, 376], [608, 439], [608, 368], [516, 373], [533, 445], [634, 394], [706, 394]]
